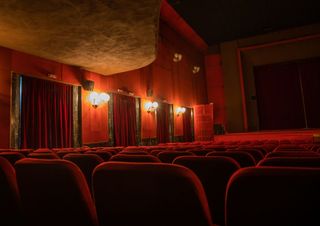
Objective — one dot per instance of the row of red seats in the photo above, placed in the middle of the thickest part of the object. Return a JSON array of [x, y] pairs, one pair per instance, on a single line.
[[54, 192]]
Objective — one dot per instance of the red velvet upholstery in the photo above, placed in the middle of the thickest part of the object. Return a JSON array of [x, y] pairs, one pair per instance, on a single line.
[[292, 154], [155, 152], [265, 196], [105, 155], [291, 161], [54, 192], [86, 162], [169, 156], [243, 158], [43, 155], [11, 156], [144, 194], [63, 153], [200, 152], [214, 174], [256, 154], [134, 158], [10, 205], [133, 152]]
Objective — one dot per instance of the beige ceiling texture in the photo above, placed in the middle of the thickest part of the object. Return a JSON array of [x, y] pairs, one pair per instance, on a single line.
[[103, 36]]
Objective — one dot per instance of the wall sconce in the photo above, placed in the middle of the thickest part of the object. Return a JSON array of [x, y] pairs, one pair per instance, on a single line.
[[96, 99], [180, 110], [177, 57], [195, 69], [151, 106]]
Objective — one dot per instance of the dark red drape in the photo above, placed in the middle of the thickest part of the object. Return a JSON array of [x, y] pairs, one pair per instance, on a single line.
[[46, 114], [310, 80], [163, 115], [124, 118], [187, 129], [279, 97]]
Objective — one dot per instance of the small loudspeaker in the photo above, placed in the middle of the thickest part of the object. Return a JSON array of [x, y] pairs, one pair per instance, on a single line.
[[88, 85]]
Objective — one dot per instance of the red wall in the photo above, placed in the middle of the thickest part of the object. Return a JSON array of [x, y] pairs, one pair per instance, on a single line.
[[215, 86], [170, 81]]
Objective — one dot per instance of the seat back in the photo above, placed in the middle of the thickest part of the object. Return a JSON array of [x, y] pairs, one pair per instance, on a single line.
[[214, 174], [12, 156], [243, 158], [292, 154], [43, 155], [10, 205], [105, 155], [54, 192], [134, 158], [267, 196], [169, 156], [291, 161], [144, 194], [86, 163]]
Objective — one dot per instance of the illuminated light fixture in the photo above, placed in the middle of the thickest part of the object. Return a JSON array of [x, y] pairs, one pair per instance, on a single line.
[[151, 106], [96, 99], [180, 110], [177, 57], [195, 69]]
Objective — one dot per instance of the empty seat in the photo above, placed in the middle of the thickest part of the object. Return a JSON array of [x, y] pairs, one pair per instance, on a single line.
[[12, 156], [267, 196], [133, 152], [200, 152], [134, 158], [43, 155], [63, 153], [86, 162], [291, 161], [144, 194], [255, 153], [43, 151], [169, 156], [292, 154], [105, 155], [10, 206], [156, 152], [214, 174], [54, 192], [243, 158]]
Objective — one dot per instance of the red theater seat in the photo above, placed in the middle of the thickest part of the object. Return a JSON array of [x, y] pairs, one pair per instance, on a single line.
[[265, 196], [243, 158], [169, 156], [134, 158], [11, 156], [214, 174], [105, 155], [255, 153], [133, 152], [144, 194], [54, 192], [292, 154], [43, 155], [200, 152], [10, 205], [63, 153], [291, 161], [86, 162]]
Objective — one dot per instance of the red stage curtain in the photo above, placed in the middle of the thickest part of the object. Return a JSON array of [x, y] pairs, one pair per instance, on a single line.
[[46, 114], [279, 97], [163, 115], [187, 133], [124, 118], [310, 79]]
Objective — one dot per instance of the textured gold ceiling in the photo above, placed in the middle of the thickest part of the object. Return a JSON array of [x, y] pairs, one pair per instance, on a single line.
[[106, 37]]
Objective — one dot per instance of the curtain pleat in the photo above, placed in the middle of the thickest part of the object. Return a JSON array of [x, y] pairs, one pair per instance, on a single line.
[[124, 117], [163, 114], [46, 114], [187, 133]]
